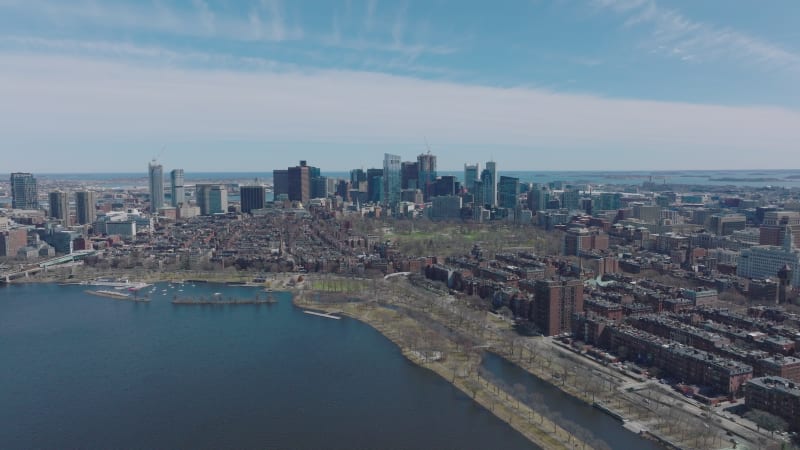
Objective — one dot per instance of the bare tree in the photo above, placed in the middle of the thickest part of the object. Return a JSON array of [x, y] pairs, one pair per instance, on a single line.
[[473, 386], [520, 392]]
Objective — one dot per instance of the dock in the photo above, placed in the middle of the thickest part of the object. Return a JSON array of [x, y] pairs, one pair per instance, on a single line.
[[192, 301], [218, 299], [328, 316], [116, 295]]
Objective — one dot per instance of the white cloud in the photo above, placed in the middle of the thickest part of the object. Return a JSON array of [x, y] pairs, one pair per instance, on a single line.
[[49, 101], [699, 41]]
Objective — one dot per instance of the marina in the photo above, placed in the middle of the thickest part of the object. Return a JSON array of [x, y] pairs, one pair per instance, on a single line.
[[114, 283]]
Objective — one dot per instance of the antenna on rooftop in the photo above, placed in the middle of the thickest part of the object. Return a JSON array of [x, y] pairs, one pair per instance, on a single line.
[[427, 145]]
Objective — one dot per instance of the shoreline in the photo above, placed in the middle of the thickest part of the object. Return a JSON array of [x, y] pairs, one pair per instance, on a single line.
[[535, 427], [279, 282]]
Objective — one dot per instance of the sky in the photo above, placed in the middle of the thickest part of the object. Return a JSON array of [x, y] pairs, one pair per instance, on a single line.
[[254, 85]]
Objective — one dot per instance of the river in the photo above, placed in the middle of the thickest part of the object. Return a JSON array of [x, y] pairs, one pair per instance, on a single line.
[[93, 372], [601, 425]]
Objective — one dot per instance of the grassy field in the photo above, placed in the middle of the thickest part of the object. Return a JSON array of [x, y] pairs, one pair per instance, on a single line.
[[339, 285], [454, 238]]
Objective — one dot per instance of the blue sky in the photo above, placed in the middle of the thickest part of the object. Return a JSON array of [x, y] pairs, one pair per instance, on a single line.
[[93, 86]]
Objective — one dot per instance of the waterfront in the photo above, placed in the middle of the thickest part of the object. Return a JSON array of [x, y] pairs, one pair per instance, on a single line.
[[601, 425], [92, 372]]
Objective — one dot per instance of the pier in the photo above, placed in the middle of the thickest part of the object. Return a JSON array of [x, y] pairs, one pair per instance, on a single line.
[[328, 316], [118, 296], [218, 300]]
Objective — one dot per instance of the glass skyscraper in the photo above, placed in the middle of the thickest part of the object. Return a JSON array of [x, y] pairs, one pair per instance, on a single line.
[[426, 164], [156, 172], [508, 189], [471, 174], [176, 183], [392, 180], [24, 193]]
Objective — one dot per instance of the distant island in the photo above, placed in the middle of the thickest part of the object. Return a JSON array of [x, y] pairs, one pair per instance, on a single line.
[[748, 180]]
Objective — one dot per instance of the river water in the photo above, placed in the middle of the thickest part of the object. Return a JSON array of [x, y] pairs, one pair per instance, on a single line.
[[92, 372], [601, 425]]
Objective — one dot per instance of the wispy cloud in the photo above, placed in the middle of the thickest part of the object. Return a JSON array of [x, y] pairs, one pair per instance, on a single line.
[[152, 57], [263, 20], [673, 34], [399, 25], [206, 17], [369, 16]]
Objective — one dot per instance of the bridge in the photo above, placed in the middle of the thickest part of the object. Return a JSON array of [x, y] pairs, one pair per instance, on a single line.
[[32, 269]]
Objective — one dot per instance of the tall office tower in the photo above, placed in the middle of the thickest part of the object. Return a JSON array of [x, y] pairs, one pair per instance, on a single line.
[[478, 200], [253, 197], [489, 186], [391, 180], [374, 185], [508, 192], [211, 198], [609, 201], [427, 173], [445, 185], [319, 187], [176, 182], [156, 172], [317, 184], [85, 207], [410, 175], [299, 183], [471, 173], [570, 199], [59, 206], [24, 194], [280, 183], [538, 198], [357, 177], [489, 179]]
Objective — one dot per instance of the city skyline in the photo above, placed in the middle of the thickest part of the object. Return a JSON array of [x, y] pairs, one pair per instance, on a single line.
[[596, 85]]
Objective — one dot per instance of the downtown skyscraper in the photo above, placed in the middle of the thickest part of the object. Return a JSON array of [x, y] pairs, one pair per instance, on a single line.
[[489, 179], [59, 206], [177, 190], [426, 165], [156, 178], [24, 193], [392, 180], [471, 174], [84, 207], [252, 197]]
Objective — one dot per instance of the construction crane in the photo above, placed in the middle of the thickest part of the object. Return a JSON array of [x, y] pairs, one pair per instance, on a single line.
[[160, 152]]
